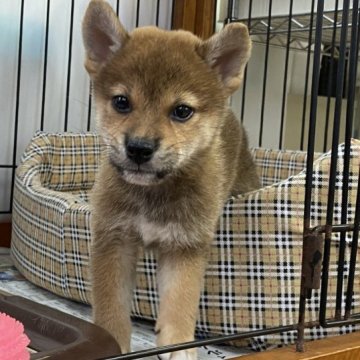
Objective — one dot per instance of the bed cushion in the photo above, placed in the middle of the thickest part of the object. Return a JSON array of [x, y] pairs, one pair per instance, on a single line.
[[253, 277]]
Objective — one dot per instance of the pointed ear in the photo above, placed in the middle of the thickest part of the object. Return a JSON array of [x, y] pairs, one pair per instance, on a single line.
[[103, 35], [228, 52]]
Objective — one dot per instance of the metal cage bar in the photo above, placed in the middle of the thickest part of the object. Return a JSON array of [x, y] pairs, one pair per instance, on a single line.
[[45, 66], [307, 72], [263, 97], [333, 164], [137, 13], [243, 99], [198, 343], [285, 83], [66, 121], [18, 84], [330, 83], [305, 291]]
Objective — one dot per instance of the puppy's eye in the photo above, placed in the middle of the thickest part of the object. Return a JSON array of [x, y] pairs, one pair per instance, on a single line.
[[121, 104], [182, 113]]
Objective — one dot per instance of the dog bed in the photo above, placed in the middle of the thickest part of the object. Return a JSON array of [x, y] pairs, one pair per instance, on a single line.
[[253, 277]]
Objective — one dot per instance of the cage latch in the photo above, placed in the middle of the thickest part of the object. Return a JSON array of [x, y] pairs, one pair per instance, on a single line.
[[312, 260]]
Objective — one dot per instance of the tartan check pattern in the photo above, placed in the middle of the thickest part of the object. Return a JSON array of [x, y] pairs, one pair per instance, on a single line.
[[276, 165], [253, 276]]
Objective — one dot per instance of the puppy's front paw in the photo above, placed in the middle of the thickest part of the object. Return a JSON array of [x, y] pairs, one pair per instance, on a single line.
[[190, 354]]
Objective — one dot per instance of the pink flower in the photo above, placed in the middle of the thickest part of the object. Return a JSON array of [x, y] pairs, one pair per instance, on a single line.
[[13, 341]]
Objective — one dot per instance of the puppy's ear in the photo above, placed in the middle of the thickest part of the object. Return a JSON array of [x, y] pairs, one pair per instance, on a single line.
[[228, 52], [103, 35]]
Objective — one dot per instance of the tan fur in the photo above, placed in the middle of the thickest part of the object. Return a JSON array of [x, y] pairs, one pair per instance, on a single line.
[[172, 202]]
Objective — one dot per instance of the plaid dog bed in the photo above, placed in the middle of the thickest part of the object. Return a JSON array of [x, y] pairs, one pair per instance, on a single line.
[[253, 277]]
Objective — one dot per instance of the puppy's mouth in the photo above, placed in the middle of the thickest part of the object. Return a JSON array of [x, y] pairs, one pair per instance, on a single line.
[[139, 175]]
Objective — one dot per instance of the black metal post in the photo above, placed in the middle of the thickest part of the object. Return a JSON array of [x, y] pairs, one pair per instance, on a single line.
[[69, 68], [307, 72], [137, 13], [330, 82], [17, 106], [45, 65], [333, 165], [304, 292], [283, 103], [246, 69], [265, 74], [230, 11]]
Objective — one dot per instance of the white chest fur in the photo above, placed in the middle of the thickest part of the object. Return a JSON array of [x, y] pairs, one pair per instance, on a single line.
[[153, 232]]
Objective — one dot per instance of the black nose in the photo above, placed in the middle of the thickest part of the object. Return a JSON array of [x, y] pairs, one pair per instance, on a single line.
[[140, 150]]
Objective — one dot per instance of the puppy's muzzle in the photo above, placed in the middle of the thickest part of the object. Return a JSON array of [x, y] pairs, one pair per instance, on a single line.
[[140, 150]]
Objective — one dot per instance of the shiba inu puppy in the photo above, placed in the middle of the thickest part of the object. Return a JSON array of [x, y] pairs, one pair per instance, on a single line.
[[175, 153]]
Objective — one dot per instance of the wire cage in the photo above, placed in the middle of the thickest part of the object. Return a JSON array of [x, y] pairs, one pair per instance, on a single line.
[[330, 39], [303, 74], [44, 85]]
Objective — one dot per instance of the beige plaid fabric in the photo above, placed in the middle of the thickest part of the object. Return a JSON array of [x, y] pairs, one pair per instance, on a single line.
[[253, 277]]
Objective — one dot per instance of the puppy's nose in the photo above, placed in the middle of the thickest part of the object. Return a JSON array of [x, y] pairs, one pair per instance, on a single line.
[[139, 150]]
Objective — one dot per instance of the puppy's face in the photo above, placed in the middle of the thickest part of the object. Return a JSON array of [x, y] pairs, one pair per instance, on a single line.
[[160, 95], [158, 104]]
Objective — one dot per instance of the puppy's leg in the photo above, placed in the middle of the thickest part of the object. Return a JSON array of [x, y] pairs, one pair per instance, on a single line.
[[113, 268], [180, 279]]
